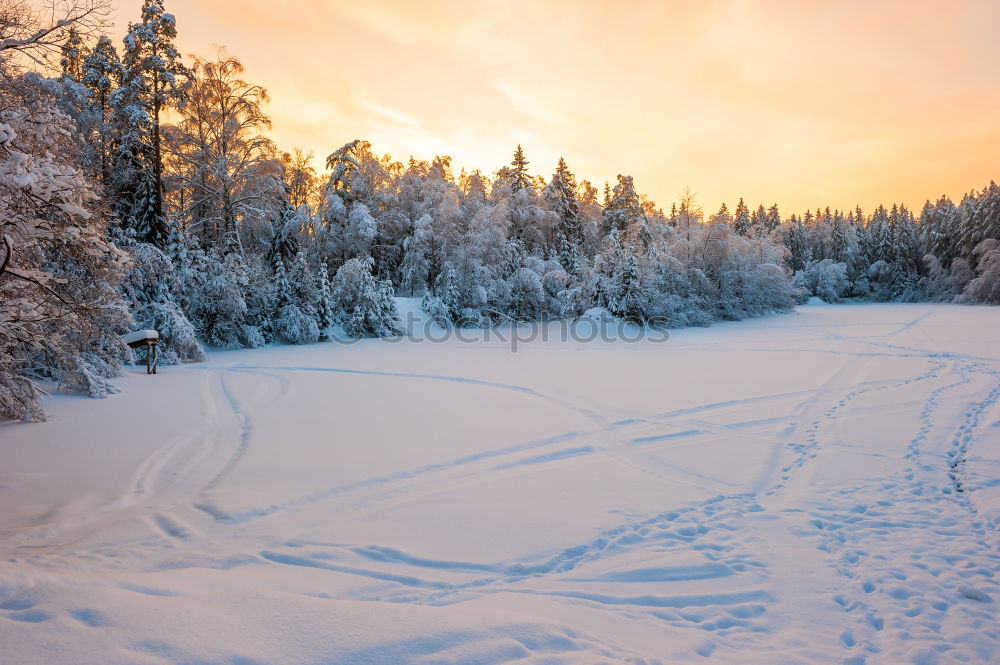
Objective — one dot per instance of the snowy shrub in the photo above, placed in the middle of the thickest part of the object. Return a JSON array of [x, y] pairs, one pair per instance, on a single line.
[[826, 279], [178, 342], [527, 297], [575, 300], [774, 291], [555, 282], [986, 286], [365, 306], [151, 285], [437, 310], [944, 285], [879, 282], [218, 308], [293, 326]]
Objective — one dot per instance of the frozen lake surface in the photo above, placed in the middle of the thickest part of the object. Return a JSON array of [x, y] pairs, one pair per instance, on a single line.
[[816, 487]]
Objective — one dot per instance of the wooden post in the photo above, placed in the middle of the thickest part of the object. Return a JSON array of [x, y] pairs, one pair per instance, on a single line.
[[151, 356]]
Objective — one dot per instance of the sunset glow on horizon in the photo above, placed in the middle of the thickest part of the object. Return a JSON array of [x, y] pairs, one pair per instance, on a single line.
[[806, 104]]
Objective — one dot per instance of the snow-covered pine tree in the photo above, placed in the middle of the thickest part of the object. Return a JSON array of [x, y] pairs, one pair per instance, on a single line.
[[797, 242], [285, 238], [325, 314], [939, 223], [741, 218], [289, 323], [560, 195], [519, 171], [624, 211], [73, 53], [418, 252], [773, 219], [979, 219], [102, 74], [365, 305], [722, 217], [628, 301], [152, 287], [282, 288], [152, 73], [305, 290], [176, 245]]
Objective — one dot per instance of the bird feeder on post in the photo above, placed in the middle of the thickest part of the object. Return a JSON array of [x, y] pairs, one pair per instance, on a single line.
[[144, 339]]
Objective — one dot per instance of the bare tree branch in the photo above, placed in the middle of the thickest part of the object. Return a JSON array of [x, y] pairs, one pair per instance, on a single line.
[[39, 33]]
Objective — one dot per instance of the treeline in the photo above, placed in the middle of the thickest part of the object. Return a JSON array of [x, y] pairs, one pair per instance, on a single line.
[[203, 229], [950, 253]]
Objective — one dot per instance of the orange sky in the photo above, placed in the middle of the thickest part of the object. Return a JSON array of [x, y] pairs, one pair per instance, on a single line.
[[803, 103]]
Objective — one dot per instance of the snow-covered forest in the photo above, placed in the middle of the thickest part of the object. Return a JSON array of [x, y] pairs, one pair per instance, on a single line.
[[140, 189]]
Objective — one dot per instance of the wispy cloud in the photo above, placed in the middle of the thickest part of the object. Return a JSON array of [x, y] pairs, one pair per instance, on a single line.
[[391, 114]]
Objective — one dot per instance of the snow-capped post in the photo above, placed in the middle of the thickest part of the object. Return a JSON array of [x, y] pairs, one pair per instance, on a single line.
[[147, 339]]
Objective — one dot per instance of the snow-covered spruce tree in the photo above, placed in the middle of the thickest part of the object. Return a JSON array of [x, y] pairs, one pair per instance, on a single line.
[[73, 53], [290, 324], [151, 76], [365, 306], [59, 306], [305, 290], [176, 246], [444, 305], [151, 286], [979, 219], [519, 171], [560, 195], [217, 299], [628, 301], [619, 286], [741, 219], [285, 241], [796, 236], [939, 223], [530, 220], [624, 211], [418, 257], [102, 74], [325, 314]]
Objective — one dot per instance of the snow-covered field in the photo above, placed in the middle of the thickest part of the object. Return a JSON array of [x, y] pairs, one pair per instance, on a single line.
[[817, 487]]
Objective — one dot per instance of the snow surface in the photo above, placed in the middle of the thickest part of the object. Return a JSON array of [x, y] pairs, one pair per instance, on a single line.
[[817, 487]]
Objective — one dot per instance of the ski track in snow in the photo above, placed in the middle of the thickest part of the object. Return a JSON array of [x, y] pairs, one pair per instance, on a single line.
[[912, 560]]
